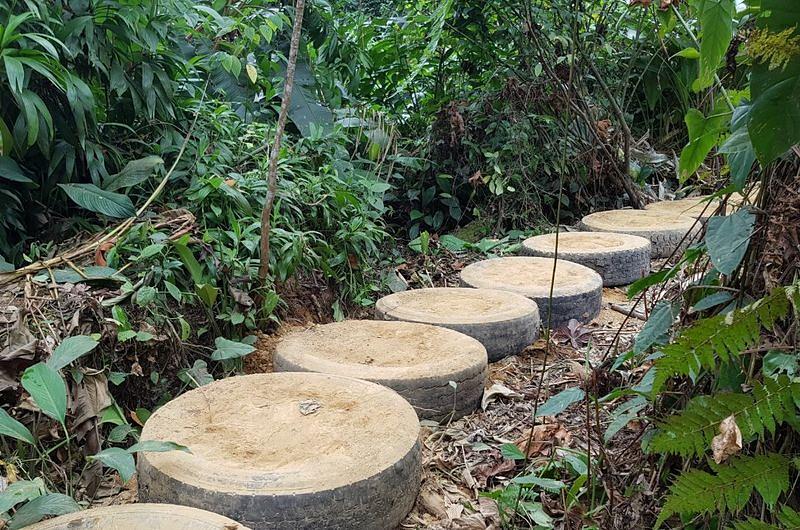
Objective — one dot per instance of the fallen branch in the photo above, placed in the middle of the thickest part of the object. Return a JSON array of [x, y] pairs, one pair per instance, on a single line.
[[628, 311]]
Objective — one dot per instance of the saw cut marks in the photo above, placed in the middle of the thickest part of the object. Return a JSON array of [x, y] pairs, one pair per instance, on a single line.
[[441, 372], [665, 230], [577, 290], [287, 450], [505, 323], [619, 259]]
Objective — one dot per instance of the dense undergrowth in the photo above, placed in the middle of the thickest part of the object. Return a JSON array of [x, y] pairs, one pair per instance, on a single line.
[[134, 147]]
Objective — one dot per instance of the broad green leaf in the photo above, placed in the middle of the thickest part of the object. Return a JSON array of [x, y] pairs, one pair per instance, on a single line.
[[775, 116], [135, 172], [623, 415], [94, 199], [207, 293], [559, 403], [689, 53], [710, 301], [703, 136], [173, 290], [41, 507], [118, 459], [452, 243], [656, 330], [9, 170], [190, 262], [70, 349], [21, 491], [120, 433], [739, 148], [727, 239], [197, 375], [145, 296], [776, 362], [47, 389], [156, 446], [512, 452], [11, 427], [228, 349], [547, 484], [716, 25]]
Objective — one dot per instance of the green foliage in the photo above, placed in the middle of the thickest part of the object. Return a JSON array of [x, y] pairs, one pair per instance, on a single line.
[[727, 239], [689, 432], [70, 349], [788, 519], [721, 337], [716, 25], [776, 92], [559, 403], [47, 388], [729, 487]]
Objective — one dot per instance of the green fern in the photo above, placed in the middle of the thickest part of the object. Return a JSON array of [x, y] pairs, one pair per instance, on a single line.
[[689, 433], [721, 337], [729, 488], [788, 519]]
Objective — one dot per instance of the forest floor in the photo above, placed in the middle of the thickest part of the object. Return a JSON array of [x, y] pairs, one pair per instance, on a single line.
[[463, 459]]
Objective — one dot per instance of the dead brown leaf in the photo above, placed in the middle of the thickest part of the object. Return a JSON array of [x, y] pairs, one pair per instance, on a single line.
[[729, 440], [495, 392], [545, 437], [486, 471]]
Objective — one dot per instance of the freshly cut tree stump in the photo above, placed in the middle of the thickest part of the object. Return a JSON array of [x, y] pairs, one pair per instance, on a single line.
[[138, 516], [665, 230], [419, 361], [691, 207], [288, 451], [505, 323], [619, 259], [577, 290]]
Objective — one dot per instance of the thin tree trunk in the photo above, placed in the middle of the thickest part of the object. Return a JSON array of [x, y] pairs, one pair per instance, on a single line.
[[272, 176]]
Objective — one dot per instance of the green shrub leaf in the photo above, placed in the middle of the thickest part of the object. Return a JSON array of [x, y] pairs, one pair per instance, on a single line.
[[21, 491], [727, 238], [11, 427], [156, 446], [70, 349], [94, 199], [559, 403], [47, 389], [118, 459], [228, 349], [41, 507]]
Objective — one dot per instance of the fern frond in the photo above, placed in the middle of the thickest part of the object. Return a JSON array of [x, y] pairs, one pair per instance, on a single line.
[[754, 524], [729, 488], [690, 432], [788, 518], [721, 337]]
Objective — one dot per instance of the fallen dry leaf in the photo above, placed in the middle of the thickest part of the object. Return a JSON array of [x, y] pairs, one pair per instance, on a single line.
[[495, 391], [486, 471], [729, 440], [433, 503], [545, 438]]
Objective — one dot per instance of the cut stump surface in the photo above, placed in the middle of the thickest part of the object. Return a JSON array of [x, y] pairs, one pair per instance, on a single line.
[[419, 361], [505, 323], [287, 450], [576, 292]]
